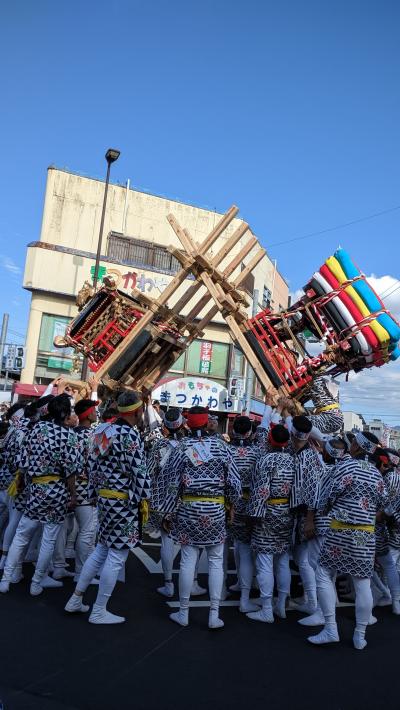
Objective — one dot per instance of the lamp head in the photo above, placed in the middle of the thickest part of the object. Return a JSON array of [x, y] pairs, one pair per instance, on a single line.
[[112, 155]]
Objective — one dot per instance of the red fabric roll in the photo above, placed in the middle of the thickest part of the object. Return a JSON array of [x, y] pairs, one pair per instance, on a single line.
[[366, 330]]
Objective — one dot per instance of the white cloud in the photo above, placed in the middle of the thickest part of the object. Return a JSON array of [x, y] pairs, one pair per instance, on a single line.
[[9, 265], [387, 284], [373, 393]]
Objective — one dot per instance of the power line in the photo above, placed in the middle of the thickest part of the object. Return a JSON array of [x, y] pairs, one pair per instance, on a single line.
[[391, 292], [338, 226]]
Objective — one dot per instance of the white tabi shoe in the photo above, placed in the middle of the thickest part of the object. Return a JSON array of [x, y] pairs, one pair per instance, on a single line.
[[384, 601], [372, 620], [327, 635], [17, 576], [75, 604], [359, 641], [396, 607], [246, 606], [50, 583], [196, 590], [4, 587], [61, 572], [167, 590], [102, 616], [180, 617], [316, 619], [279, 608], [265, 614], [35, 589], [214, 622]]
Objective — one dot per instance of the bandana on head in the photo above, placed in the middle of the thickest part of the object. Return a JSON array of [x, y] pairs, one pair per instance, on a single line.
[[364, 443], [174, 424], [332, 452], [303, 435], [196, 421], [87, 411], [273, 441], [129, 408]]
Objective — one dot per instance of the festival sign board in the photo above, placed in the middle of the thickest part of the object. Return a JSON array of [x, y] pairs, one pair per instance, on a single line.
[[186, 392]]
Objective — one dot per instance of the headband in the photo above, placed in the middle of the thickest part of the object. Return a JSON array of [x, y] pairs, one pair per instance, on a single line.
[[303, 435], [174, 425], [273, 441], [196, 421], [86, 412], [332, 452], [129, 407], [365, 443]]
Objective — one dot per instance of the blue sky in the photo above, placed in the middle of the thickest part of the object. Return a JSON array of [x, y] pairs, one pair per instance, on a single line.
[[290, 110]]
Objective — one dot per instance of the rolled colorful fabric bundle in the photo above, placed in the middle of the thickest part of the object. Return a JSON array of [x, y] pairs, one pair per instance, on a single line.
[[367, 293]]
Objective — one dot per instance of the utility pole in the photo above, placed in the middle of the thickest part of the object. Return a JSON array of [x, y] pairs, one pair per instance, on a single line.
[[4, 328]]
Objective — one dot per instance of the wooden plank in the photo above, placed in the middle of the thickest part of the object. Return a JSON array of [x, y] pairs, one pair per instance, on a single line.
[[220, 227], [240, 256], [230, 243], [249, 268]]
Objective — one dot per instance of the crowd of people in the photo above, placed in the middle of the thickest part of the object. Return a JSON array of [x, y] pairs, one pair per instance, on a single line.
[[295, 490]]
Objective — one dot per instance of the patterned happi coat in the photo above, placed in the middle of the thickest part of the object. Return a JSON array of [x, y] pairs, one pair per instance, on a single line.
[[388, 532], [357, 493], [49, 449], [200, 468], [328, 422], [272, 529], [328, 473], [309, 470], [10, 449], [122, 468], [156, 460], [246, 456], [84, 437]]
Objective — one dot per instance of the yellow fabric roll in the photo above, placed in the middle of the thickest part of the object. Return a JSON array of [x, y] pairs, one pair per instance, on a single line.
[[336, 269], [144, 509]]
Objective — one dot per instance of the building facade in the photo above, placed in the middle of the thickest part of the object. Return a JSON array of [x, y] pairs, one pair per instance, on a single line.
[[134, 250], [353, 421]]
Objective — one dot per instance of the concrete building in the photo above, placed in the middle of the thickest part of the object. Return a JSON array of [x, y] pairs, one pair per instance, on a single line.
[[377, 427], [353, 421], [136, 234]]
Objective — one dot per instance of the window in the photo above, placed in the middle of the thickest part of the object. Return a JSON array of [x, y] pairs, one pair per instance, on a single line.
[[266, 300], [137, 252]]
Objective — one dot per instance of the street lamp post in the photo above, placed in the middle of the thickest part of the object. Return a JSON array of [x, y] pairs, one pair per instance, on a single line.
[[111, 156]]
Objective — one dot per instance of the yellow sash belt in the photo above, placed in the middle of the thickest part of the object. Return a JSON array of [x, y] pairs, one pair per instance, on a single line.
[[276, 501], [44, 480], [327, 408], [12, 489], [108, 493], [338, 525], [203, 499]]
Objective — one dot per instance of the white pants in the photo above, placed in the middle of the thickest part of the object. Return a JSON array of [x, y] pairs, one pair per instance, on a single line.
[[4, 503], [396, 557], [167, 555], [86, 518], [22, 537], [265, 573], [327, 596], [14, 516], [59, 549], [110, 561], [306, 572], [391, 574], [245, 570], [189, 558]]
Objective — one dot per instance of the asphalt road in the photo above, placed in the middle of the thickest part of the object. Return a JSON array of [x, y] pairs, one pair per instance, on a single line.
[[54, 661]]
